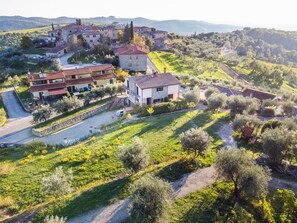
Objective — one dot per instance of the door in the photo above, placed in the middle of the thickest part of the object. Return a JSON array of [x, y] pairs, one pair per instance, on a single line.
[[148, 101]]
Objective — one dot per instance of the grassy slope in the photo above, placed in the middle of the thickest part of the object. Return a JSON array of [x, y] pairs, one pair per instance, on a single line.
[[43, 29], [176, 65], [95, 162], [3, 115]]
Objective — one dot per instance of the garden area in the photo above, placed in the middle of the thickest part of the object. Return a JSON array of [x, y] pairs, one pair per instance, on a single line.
[[95, 163]]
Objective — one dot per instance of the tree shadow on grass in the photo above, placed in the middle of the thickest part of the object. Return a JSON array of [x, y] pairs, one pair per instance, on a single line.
[[198, 121], [86, 201], [211, 205]]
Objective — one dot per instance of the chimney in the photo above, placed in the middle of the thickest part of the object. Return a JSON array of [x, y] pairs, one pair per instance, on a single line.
[[164, 70]]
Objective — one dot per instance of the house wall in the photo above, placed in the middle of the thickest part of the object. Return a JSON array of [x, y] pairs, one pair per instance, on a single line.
[[174, 89], [104, 82], [36, 94], [92, 40], [134, 62]]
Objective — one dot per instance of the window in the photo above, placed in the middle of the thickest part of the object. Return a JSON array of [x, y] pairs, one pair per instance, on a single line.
[[159, 88], [137, 91], [130, 57], [127, 84], [94, 35], [91, 41], [73, 76], [87, 36], [130, 65], [111, 81], [136, 57]]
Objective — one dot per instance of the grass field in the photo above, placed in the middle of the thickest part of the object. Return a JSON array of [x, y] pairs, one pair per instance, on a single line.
[[23, 92], [95, 164], [177, 66]]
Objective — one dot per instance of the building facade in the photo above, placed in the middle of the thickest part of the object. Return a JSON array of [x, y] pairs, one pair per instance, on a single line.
[[152, 89], [71, 81], [132, 57]]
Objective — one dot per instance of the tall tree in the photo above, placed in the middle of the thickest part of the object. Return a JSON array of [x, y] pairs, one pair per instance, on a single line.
[[131, 32], [126, 35]]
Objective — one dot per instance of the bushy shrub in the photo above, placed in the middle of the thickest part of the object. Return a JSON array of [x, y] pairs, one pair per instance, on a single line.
[[35, 145], [211, 91], [134, 156], [268, 112], [161, 108], [216, 101], [58, 183], [54, 219]]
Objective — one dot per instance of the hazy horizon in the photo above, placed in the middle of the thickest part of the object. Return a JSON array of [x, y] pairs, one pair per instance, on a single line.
[[273, 14]]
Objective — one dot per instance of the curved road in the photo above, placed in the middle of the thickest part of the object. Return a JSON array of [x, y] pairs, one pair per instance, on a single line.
[[18, 119]]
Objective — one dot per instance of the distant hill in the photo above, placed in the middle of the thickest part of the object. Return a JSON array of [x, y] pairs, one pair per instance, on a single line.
[[184, 27]]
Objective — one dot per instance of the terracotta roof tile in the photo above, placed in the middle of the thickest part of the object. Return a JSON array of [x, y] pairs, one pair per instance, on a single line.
[[44, 87], [87, 80], [157, 80]]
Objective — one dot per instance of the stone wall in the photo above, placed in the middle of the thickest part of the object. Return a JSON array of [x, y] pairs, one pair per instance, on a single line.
[[67, 123]]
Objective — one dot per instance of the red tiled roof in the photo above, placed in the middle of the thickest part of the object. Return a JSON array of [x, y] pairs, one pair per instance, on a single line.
[[49, 76], [261, 95], [103, 76], [87, 80], [131, 50], [88, 70], [57, 91], [157, 80], [44, 87]]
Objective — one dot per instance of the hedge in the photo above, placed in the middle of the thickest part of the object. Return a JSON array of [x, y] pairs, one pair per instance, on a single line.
[[162, 108]]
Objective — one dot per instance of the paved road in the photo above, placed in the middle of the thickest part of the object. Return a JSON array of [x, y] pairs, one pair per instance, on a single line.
[[18, 119], [15, 111], [68, 135]]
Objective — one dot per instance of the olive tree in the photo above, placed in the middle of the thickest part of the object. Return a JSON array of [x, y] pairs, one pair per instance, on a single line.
[[211, 91], [277, 144], [58, 183], [195, 140], [67, 104], [134, 156], [238, 104], [288, 108], [42, 114], [191, 96], [216, 101], [150, 199], [237, 166]]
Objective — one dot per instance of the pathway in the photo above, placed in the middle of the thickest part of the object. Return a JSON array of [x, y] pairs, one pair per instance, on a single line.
[[117, 212]]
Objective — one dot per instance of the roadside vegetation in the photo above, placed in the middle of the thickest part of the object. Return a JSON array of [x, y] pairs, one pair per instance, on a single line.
[[3, 115]]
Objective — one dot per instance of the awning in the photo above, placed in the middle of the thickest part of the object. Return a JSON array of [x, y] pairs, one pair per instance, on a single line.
[[57, 91]]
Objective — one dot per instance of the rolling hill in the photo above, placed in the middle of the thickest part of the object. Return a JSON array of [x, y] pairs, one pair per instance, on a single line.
[[184, 27]]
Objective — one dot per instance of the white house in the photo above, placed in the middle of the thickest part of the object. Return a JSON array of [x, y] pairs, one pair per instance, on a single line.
[[132, 57], [151, 89]]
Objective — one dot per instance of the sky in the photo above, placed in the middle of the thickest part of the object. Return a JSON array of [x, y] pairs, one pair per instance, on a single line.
[[253, 13]]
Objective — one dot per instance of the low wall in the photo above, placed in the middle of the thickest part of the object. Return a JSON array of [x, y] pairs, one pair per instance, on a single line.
[[67, 123]]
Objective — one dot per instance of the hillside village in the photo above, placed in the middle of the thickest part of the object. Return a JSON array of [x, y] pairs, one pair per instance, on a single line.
[[124, 123]]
